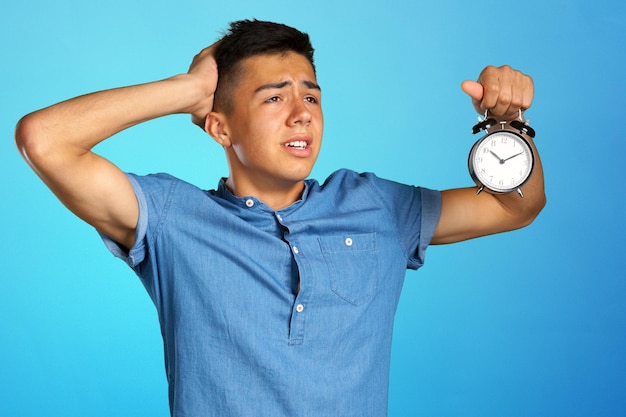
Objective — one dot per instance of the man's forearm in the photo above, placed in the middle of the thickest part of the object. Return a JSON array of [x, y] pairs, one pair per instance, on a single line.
[[528, 207], [77, 125]]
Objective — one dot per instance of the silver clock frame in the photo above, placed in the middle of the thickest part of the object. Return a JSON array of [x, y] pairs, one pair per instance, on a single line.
[[499, 130]]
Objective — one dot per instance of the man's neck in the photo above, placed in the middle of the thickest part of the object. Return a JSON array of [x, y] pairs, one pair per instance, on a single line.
[[276, 198]]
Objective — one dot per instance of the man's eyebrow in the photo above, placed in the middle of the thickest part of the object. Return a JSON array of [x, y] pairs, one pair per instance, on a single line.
[[271, 86], [311, 84]]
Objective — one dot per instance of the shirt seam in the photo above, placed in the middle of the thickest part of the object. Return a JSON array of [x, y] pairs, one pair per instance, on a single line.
[[164, 213], [395, 225]]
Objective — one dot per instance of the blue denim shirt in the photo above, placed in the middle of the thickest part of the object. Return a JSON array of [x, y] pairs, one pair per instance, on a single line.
[[279, 313]]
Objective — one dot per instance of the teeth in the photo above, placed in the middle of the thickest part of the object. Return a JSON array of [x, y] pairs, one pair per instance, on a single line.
[[297, 144]]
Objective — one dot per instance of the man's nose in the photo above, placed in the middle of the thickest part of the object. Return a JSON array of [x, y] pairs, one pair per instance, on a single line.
[[300, 113]]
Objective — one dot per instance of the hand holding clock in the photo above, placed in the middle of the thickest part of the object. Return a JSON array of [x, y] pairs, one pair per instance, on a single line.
[[503, 94], [502, 91], [504, 162]]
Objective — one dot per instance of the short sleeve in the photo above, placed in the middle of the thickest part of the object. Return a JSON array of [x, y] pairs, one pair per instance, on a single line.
[[431, 211], [414, 212], [152, 193], [136, 254]]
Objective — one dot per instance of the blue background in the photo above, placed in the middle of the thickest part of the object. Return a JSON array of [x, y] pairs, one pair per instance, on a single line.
[[530, 323]]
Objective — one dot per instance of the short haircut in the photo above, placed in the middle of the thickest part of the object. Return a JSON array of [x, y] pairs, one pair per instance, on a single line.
[[248, 38]]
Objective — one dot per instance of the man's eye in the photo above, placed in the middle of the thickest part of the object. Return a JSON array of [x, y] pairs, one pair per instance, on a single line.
[[273, 99], [311, 99]]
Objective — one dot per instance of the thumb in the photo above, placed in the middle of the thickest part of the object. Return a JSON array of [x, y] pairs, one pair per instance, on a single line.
[[473, 89]]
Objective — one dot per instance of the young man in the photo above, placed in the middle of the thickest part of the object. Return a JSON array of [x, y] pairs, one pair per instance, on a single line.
[[275, 294]]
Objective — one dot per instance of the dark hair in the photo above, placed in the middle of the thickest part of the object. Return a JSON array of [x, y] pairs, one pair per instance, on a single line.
[[247, 38]]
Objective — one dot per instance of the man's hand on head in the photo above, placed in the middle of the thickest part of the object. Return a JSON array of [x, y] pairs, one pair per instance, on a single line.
[[204, 67]]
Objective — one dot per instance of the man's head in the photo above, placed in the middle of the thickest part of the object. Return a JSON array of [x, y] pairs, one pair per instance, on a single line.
[[267, 112], [248, 38]]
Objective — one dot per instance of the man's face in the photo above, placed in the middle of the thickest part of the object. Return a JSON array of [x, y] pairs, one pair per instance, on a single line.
[[275, 127]]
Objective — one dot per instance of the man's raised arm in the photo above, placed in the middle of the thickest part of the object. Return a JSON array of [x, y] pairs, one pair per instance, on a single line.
[[464, 214], [56, 142]]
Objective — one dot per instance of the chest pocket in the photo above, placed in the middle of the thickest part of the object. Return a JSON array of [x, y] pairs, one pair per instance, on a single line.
[[352, 261]]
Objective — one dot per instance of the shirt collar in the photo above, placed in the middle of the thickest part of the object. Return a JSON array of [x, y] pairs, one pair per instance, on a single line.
[[244, 202]]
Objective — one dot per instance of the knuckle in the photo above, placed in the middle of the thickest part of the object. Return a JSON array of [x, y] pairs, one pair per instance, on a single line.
[[505, 97], [491, 69], [516, 103]]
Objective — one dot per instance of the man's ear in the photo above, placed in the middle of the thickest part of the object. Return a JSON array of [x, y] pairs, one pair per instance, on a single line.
[[216, 126]]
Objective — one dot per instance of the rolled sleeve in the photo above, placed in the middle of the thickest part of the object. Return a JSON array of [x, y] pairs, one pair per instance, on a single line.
[[431, 210], [137, 253]]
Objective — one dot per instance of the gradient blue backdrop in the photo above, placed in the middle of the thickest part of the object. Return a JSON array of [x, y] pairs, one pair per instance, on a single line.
[[531, 323]]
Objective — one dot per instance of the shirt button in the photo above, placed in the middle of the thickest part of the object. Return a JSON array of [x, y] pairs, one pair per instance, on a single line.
[[279, 217], [299, 308], [249, 202], [295, 250], [348, 241]]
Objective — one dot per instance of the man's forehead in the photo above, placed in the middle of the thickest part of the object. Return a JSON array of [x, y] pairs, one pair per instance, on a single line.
[[278, 65]]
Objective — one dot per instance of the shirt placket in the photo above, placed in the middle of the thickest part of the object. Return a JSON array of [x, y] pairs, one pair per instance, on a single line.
[[300, 305]]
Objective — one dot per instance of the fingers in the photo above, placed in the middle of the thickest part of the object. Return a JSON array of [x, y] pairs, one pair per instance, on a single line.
[[505, 91], [207, 54], [203, 70], [473, 89]]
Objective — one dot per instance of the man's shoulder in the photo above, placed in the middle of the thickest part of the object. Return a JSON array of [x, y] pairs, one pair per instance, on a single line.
[[343, 180], [363, 184], [345, 185], [345, 176], [160, 180], [163, 187]]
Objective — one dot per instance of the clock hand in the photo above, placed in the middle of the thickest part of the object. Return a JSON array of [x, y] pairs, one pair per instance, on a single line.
[[511, 157], [494, 154]]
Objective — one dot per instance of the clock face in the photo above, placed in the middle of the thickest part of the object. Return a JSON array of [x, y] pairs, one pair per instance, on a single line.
[[501, 161]]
